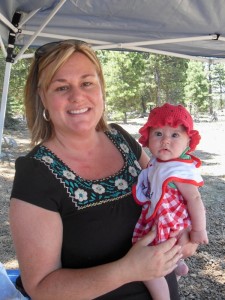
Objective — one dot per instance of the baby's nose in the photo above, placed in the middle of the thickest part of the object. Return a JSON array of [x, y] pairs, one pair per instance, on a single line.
[[165, 140]]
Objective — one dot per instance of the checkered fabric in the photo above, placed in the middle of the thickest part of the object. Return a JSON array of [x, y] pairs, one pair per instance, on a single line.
[[171, 216]]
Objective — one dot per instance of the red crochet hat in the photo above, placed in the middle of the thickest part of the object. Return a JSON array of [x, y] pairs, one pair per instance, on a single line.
[[170, 115]]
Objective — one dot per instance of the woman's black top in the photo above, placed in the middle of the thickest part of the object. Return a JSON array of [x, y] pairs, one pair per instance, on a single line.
[[98, 216]]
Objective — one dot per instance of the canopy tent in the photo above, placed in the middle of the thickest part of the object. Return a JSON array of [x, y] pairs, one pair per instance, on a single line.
[[192, 29]]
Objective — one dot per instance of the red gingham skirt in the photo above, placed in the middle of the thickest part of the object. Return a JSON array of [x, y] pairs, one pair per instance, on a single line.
[[172, 215]]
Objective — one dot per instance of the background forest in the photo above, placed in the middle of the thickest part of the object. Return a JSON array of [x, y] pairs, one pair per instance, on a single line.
[[136, 82]]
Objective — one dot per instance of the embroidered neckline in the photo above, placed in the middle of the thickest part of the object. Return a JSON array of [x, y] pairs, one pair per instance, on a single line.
[[92, 180], [85, 193]]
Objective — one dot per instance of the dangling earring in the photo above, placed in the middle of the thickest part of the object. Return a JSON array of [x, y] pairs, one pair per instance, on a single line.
[[44, 115]]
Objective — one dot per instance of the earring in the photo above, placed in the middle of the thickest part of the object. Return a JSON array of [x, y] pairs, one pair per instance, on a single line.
[[44, 115]]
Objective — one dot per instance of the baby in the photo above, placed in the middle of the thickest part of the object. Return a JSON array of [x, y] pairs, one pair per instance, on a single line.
[[168, 188]]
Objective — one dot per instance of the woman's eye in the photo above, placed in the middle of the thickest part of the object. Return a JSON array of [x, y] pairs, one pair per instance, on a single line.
[[62, 88], [86, 83]]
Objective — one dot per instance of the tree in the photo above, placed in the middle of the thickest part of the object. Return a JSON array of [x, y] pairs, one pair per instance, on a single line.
[[16, 88], [196, 88], [138, 81], [123, 79], [173, 77], [218, 85], [168, 78]]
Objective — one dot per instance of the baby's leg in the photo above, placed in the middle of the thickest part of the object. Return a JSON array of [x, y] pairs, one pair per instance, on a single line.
[[158, 288]]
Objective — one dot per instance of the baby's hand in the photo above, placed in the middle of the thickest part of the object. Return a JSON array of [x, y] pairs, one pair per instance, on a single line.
[[199, 237]]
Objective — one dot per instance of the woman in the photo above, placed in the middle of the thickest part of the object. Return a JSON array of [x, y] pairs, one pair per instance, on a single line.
[[72, 213]]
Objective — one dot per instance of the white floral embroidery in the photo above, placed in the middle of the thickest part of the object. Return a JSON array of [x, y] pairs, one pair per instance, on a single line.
[[80, 195], [137, 164], [98, 188], [68, 175], [121, 184], [113, 131], [124, 148], [132, 171], [47, 159]]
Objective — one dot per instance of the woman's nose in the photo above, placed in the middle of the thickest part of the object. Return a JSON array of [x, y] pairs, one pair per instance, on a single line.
[[75, 95]]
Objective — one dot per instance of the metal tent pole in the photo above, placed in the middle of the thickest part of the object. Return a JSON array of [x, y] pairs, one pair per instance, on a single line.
[[4, 101]]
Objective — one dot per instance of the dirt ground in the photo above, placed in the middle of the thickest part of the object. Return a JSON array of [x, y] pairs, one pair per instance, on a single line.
[[206, 278]]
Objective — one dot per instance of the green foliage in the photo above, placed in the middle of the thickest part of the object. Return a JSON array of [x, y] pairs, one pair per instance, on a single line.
[[136, 82], [168, 77], [18, 76], [218, 85], [17, 83], [197, 87], [140, 81], [123, 79]]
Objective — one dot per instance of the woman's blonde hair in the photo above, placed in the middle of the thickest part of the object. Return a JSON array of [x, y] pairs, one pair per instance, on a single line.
[[41, 76]]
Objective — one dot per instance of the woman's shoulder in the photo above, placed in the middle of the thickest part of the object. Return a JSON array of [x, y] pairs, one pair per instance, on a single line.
[[118, 128], [29, 162], [34, 183]]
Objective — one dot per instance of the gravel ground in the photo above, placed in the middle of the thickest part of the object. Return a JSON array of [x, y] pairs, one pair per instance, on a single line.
[[206, 278]]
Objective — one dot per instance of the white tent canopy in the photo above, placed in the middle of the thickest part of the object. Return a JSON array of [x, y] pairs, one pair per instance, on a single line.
[[192, 29]]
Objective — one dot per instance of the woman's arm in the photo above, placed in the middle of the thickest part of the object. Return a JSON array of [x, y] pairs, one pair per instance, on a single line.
[[37, 235]]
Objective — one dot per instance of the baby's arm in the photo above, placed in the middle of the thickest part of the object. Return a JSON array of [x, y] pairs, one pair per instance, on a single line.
[[196, 210]]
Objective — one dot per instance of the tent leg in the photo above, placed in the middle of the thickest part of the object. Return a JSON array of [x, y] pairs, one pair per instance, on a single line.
[[4, 101]]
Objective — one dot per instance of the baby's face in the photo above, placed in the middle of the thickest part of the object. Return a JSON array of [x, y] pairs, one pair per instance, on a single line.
[[168, 142]]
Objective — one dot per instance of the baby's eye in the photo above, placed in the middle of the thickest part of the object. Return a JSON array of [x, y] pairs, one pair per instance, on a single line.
[[175, 135], [158, 133]]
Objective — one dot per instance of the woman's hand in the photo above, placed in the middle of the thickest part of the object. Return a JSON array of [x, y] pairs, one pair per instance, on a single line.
[[144, 262]]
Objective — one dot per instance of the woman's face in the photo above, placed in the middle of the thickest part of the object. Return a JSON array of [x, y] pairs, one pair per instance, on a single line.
[[74, 98]]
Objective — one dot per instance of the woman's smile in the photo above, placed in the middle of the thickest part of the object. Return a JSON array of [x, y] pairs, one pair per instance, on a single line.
[[78, 111]]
